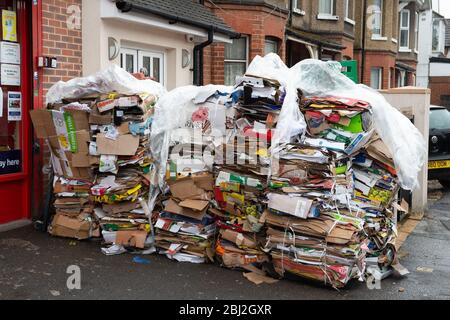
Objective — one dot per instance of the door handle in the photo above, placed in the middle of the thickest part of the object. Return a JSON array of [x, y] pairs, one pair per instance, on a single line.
[[36, 148]]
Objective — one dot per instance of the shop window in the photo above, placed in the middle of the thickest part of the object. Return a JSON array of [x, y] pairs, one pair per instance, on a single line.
[[404, 29], [236, 59], [11, 107], [376, 78], [271, 46], [151, 64]]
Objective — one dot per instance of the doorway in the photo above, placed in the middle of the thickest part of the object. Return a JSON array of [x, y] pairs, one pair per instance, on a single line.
[[15, 103], [150, 63]]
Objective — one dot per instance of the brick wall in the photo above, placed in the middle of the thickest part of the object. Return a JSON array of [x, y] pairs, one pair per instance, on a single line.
[[256, 22], [377, 59], [61, 40], [440, 86]]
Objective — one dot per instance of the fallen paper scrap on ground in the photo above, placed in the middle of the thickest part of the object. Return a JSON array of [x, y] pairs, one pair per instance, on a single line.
[[424, 269], [258, 279]]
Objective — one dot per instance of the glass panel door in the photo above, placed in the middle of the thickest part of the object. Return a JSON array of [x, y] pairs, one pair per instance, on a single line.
[[152, 65], [129, 60], [11, 107]]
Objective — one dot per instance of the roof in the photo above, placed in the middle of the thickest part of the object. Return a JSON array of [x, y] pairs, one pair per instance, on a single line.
[[279, 6], [404, 66], [314, 39], [186, 11]]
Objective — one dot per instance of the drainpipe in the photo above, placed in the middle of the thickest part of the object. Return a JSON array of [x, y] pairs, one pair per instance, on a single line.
[[198, 58], [363, 48], [288, 45]]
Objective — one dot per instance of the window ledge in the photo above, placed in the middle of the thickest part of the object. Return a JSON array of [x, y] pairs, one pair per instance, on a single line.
[[323, 16], [394, 40], [379, 38], [407, 50], [348, 20], [299, 12]]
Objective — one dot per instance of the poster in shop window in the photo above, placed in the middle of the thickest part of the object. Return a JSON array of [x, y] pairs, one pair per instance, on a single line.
[[14, 106], [9, 24], [9, 52], [10, 75]]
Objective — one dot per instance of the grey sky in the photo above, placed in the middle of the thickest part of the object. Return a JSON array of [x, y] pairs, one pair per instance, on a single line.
[[444, 6]]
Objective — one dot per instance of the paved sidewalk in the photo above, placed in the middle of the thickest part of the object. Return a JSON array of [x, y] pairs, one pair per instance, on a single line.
[[33, 266]]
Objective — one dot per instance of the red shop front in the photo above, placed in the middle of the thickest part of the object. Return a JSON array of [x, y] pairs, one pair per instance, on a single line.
[[20, 180]]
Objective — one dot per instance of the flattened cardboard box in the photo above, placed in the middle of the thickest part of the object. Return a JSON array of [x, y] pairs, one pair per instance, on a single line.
[[44, 126], [189, 209], [193, 188], [238, 238], [43, 123], [71, 226], [131, 238], [125, 145]]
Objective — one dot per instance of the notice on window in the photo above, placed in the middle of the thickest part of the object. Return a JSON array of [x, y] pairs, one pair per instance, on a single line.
[[9, 52], [10, 75], [10, 162], [14, 106], [9, 23]]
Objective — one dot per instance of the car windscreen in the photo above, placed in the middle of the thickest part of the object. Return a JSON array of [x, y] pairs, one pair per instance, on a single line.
[[440, 119]]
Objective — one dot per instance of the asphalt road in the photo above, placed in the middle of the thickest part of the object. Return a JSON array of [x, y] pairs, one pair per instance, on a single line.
[[33, 265]]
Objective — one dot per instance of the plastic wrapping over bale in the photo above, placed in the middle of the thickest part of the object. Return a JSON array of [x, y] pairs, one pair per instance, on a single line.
[[318, 78], [111, 79]]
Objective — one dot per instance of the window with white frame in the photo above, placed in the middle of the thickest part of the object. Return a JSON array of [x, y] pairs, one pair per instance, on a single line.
[[377, 11], [236, 59], [436, 35], [376, 78], [404, 29], [297, 6], [349, 10], [326, 7], [270, 46], [416, 32], [151, 64]]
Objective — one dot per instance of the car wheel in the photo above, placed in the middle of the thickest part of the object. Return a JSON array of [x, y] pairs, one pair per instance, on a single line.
[[445, 183]]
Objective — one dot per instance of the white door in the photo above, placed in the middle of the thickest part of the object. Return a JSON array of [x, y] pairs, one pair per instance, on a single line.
[[129, 60], [152, 65]]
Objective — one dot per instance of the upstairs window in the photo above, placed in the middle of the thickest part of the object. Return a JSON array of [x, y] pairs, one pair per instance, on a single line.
[[349, 10], [416, 32], [377, 11], [404, 29], [326, 7], [297, 6]]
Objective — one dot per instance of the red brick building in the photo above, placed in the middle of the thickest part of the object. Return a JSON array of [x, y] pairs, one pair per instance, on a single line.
[[262, 26]]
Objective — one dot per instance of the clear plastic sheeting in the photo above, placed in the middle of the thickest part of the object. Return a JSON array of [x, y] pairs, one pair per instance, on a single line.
[[111, 79], [291, 122], [318, 78], [172, 112]]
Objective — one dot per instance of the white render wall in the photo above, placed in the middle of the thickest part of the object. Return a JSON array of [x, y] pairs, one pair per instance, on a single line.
[[425, 48], [415, 102], [102, 20]]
